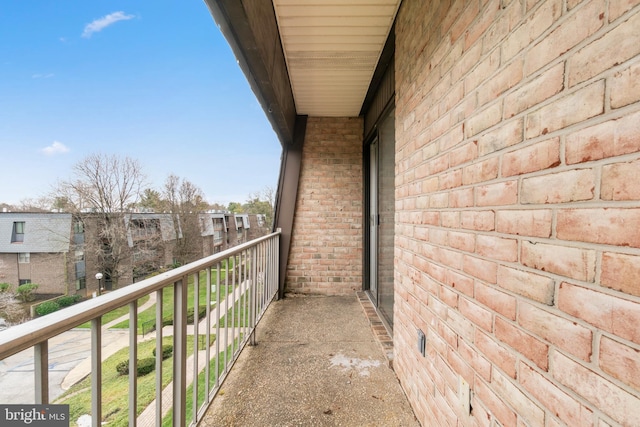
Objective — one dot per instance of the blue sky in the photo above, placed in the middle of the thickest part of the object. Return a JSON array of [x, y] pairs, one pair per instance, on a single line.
[[152, 80]]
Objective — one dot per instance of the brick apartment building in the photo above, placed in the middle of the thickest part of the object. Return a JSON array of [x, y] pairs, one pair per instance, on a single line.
[[58, 252], [474, 166]]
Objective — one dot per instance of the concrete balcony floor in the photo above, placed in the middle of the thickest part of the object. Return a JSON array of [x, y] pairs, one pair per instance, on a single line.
[[318, 362]]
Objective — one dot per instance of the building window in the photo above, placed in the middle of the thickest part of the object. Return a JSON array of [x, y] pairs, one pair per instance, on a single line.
[[81, 283], [18, 232], [24, 257], [78, 227], [78, 232], [23, 282]]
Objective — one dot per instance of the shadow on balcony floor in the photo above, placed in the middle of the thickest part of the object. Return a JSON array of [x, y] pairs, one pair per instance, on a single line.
[[317, 363]]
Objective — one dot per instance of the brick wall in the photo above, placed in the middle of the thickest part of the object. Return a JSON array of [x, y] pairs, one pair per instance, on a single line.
[[326, 247], [45, 269], [518, 210]]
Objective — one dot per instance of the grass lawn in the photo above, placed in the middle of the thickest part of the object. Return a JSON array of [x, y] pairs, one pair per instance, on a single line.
[[114, 314], [167, 421], [115, 388], [147, 318]]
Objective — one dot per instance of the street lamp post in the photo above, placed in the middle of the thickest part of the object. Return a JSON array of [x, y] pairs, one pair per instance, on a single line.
[[99, 278]]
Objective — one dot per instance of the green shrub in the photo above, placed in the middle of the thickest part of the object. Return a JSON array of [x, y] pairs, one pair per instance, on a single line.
[[69, 300], [47, 307], [25, 292], [4, 287], [122, 368], [167, 351], [144, 366], [202, 311]]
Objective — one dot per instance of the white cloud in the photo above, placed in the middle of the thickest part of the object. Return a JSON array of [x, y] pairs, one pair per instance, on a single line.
[[42, 76], [55, 148], [102, 23]]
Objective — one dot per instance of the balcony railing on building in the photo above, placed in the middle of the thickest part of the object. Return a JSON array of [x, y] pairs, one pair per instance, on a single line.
[[239, 284]]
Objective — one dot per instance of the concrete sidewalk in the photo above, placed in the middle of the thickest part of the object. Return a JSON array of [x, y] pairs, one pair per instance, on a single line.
[[317, 363], [112, 342]]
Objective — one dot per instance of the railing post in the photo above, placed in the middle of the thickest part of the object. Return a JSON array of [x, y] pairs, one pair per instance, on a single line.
[[96, 372], [159, 359], [180, 352], [253, 290], [133, 362], [41, 370]]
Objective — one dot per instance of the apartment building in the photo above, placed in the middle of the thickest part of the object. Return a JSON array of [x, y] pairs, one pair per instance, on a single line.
[[62, 253]]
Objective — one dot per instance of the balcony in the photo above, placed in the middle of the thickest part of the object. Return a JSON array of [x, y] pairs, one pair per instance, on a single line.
[[308, 367]]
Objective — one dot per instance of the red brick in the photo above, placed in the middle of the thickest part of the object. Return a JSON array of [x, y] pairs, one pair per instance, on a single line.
[[604, 226], [496, 300], [461, 198], [608, 397], [462, 241], [503, 358], [480, 73], [450, 179], [459, 366], [620, 361], [462, 326], [466, 18], [577, 27], [529, 413], [542, 87], [502, 193], [463, 154], [508, 134], [565, 334], [460, 282], [608, 139], [478, 315], [482, 22], [617, 8], [615, 315], [477, 220], [448, 296], [450, 219], [480, 171], [501, 26], [505, 79], [620, 181], [623, 87], [542, 155], [620, 272], [556, 400], [573, 108], [480, 269], [497, 248], [614, 47], [496, 406], [531, 28], [479, 364], [533, 286], [566, 261], [484, 119], [525, 222], [439, 200], [532, 348]]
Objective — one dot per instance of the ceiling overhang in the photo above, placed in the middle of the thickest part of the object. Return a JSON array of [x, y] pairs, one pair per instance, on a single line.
[[306, 57]]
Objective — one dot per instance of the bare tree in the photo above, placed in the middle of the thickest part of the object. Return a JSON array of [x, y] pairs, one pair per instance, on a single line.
[[100, 195], [10, 309], [261, 202], [185, 201]]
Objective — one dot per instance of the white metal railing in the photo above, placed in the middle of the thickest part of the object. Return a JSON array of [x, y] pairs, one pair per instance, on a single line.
[[240, 284]]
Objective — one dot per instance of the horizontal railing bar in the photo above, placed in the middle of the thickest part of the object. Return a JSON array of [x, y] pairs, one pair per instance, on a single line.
[[26, 335]]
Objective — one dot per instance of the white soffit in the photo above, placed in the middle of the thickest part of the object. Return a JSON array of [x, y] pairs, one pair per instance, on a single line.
[[332, 48]]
